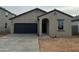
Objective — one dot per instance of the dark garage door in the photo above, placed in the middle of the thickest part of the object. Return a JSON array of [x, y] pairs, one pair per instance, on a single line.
[[25, 28]]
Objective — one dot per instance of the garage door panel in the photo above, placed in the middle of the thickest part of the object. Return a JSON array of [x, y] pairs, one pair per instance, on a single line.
[[25, 28]]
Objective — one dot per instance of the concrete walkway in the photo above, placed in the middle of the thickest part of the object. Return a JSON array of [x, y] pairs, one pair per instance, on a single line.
[[19, 43]]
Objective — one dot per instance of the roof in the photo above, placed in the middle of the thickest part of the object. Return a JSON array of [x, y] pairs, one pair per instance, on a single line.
[[7, 11], [57, 11], [28, 12], [76, 18]]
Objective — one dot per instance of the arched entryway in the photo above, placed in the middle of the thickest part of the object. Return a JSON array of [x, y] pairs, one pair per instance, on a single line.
[[45, 26]]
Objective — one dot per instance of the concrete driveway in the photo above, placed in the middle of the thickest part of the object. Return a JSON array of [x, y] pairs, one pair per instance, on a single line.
[[19, 43]]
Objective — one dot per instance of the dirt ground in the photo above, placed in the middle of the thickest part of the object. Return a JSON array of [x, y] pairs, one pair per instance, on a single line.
[[3, 34], [47, 44]]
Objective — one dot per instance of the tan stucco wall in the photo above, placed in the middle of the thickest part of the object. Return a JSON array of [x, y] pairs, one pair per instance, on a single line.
[[53, 24]]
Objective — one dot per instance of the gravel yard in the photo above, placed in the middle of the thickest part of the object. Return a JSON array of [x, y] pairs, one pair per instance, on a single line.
[[47, 44]]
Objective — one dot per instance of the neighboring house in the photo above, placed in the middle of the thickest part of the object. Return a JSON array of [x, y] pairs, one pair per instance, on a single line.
[[75, 25], [5, 15], [54, 23]]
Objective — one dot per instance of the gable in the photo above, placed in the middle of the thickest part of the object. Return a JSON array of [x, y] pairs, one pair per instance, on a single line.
[[5, 15], [30, 17], [34, 11], [55, 15], [55, 10]]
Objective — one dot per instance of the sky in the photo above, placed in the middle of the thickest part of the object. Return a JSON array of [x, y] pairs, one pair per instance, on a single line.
[[74, 11]]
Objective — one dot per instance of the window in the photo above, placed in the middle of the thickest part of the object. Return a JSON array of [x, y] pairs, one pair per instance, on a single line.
[[60, 24], [5, 25]]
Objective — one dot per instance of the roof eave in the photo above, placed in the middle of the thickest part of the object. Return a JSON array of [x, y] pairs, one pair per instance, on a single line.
[[7, 11]]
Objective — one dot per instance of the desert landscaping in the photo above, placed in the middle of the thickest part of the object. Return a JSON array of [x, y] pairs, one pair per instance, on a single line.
[[48, 44], [3, 34]]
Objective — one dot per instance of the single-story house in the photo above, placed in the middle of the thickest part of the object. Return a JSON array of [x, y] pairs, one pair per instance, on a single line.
[[75, 25], [54, 23]]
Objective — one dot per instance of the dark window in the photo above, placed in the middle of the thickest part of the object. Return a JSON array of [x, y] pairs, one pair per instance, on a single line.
[[60, 24], [5, 25]]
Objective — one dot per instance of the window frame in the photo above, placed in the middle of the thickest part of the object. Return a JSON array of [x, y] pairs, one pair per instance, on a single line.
[[60, 29]]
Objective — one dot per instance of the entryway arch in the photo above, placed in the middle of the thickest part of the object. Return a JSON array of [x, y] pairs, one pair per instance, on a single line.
[[45, 26]]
